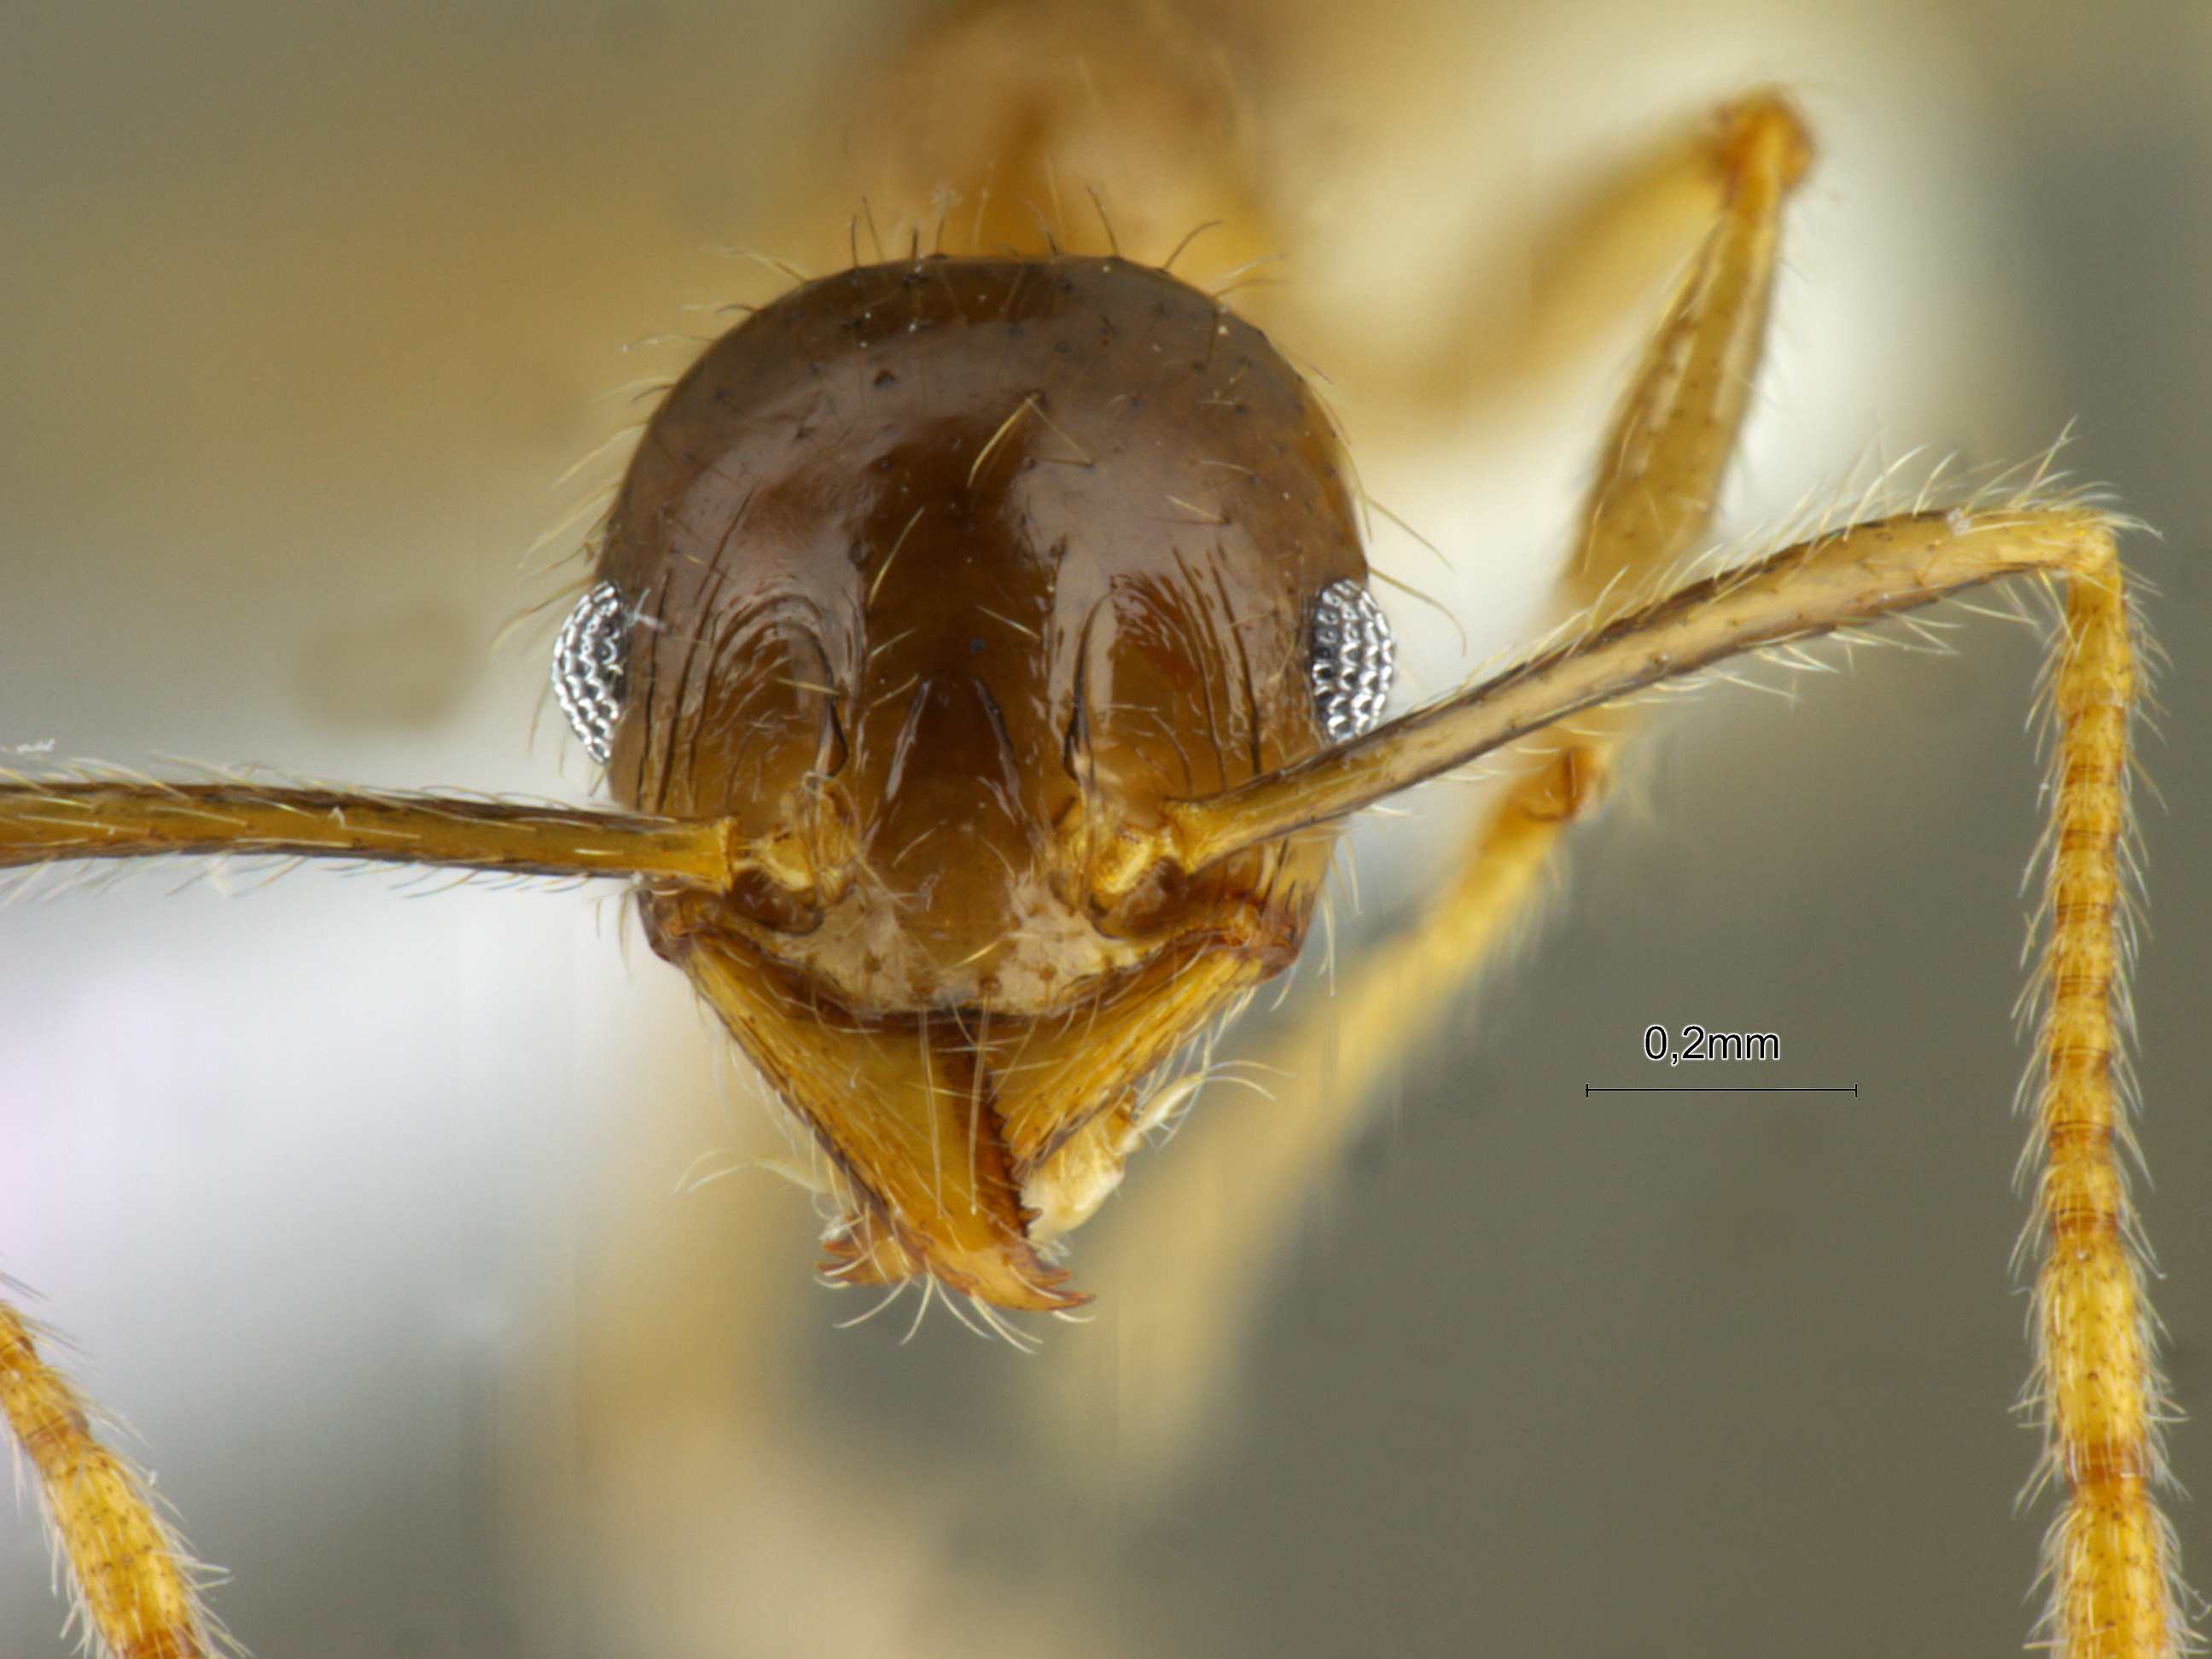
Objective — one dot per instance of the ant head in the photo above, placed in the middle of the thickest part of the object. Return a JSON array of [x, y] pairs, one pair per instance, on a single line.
[[945, 574]]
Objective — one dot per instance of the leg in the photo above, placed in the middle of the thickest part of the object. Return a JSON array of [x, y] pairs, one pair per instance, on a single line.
[[136, 1595], [2096, 1386], [1621, 237], [1660, 468], [135, 1587]]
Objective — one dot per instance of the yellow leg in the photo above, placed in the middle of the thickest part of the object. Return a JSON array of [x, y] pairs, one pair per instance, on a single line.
[[1659, 473], [2110, 1553], [134, 1584], [1625, 234]]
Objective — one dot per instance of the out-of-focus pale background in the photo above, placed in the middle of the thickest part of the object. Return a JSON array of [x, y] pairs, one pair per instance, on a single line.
[[359, 1206]]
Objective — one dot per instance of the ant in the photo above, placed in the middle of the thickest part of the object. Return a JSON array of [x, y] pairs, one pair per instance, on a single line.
[[965, 880]]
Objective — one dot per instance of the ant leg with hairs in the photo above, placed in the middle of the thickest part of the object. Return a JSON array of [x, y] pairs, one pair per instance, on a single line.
[[1659, 472]]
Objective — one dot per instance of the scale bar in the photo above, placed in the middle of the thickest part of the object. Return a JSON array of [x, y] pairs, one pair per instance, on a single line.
[[1589, 1088]]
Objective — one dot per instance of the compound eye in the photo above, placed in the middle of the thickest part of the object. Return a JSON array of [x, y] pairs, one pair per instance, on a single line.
[[589, 668], [1352, 660]]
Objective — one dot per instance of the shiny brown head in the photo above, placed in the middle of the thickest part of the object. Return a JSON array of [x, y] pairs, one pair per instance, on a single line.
[[935, 575]]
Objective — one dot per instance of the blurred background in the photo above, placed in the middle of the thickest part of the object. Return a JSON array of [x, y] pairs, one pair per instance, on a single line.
[[359, 1200]]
